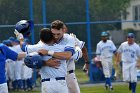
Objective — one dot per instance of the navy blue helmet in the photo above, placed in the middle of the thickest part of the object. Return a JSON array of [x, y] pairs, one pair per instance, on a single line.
[[130, 35], [104, 34], [33, 61], [24, 27]]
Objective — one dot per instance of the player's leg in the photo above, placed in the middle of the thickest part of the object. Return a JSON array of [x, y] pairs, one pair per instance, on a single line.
[[110, 70], [72, 83], [126, 73], [3, 88], [54, 86], [62, 86], [24, 84], [133, 72], [18, 74], [106, 72], [29, 83]]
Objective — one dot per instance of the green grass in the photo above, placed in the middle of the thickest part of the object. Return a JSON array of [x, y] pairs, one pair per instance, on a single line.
[[95, 88], [117, 89], [81, 76], [100, 89]]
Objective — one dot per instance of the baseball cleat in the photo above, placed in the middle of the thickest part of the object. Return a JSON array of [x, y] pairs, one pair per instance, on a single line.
[[106, 87]]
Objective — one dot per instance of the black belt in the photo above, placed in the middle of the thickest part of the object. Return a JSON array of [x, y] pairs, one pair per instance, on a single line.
[[71, 71], [57, 78]]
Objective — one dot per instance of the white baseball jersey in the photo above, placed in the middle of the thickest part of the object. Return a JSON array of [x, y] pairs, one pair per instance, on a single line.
[[18, 63], [10, 67], [52, 86], [105, 50], [27, 72], [129, 53], [129, 56], [49, 72]]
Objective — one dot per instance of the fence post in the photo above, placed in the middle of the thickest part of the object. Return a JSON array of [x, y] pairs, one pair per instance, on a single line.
[[44, 12], [88, 38]]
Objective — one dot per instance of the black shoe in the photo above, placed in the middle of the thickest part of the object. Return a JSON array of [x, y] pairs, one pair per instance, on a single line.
[[111, 88], [130, 88], [106, 87]]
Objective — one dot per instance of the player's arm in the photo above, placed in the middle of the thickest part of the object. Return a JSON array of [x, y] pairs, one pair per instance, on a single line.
[[138, 55], [118, 58], [52, 62], [21, 55], [98, 52], [66, 55], [85, 55], [118, 55], [78, 53], [68, 52], [10, 54], [83, 48], [63, 55], [114, 49]]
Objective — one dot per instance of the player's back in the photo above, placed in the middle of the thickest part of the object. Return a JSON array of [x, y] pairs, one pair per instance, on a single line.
[[50, 72]]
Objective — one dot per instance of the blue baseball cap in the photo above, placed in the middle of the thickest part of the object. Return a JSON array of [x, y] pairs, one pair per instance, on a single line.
[[12, 39], [104, 34], [130, 35]]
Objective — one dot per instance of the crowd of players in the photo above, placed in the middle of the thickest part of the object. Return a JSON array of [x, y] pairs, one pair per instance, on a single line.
[[18, 75]]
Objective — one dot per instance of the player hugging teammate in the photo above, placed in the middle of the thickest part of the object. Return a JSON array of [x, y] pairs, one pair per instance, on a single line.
[[59, 51]]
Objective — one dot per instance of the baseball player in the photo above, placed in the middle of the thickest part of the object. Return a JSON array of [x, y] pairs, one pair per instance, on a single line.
[[58, 29], [105, 50], [18, 66], [6, 53], [71, 77], [129, 53], [53, 80], [9, 65]]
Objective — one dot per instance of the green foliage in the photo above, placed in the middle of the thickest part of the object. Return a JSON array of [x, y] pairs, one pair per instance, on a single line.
[[107, 9], [70, 11]]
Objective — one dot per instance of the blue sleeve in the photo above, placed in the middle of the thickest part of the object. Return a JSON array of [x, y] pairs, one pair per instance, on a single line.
[[23, 47], [10, 54], [71, 49]]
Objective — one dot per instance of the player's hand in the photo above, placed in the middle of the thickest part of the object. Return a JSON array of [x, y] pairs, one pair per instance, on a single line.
[[86, 66], [73, 35], [85, 69], [55, 63], [43, 52], [18, 35]]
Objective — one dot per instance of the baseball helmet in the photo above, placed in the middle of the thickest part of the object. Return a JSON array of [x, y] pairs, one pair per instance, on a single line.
[[130, 35], [24, 27], [104, 34], [33, 61]]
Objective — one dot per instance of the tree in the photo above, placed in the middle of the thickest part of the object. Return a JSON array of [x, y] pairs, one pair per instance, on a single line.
[[105, 10]]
